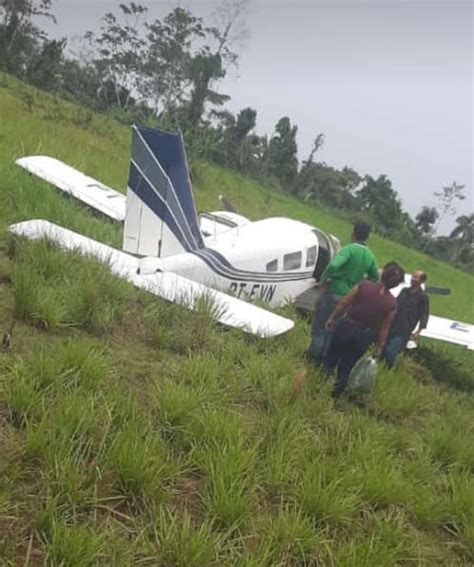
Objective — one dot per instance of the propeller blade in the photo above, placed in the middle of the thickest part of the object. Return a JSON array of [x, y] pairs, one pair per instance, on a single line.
[[436, 290]]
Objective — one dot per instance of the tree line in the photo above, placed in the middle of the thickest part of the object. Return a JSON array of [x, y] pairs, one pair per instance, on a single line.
[[167, 72]]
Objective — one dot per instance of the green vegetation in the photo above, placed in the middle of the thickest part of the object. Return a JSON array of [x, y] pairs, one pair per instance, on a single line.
[[168, 71], [134, 432]]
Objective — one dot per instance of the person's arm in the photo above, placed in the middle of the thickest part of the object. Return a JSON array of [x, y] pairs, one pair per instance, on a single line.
[[336, 264], [341, 307], [383, 332], [373, 272], [424, 314]]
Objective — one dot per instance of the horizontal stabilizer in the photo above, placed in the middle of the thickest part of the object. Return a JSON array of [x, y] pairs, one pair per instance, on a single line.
[[227, 310], [217, 222], [82, 187]]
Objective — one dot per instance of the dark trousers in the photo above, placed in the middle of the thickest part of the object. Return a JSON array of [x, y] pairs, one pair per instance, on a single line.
[[320, 338], [348, 344], [393, 347]]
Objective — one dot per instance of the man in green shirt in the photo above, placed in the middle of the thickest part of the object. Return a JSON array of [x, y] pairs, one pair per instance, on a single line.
[[348, 267]]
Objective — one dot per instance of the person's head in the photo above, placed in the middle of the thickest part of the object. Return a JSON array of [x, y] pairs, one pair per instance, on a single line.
[[392, 275], [360, 232], [417, 279]]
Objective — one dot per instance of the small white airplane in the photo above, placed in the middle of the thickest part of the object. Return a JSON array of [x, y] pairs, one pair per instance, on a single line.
[[174, 253]]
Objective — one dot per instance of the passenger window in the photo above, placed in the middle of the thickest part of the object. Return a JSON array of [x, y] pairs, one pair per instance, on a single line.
[[311, 256], [272, 266], [292, 261]]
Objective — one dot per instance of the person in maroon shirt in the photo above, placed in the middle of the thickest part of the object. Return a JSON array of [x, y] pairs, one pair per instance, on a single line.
[[367, 312]]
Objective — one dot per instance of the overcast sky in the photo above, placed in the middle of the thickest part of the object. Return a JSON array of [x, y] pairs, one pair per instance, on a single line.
[[389, 82]]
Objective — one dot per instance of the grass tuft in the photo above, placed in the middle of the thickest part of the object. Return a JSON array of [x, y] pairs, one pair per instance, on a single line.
[[291, 536], [141, 465], [324, 496], [55, 289], [72, 546], [179, 543]]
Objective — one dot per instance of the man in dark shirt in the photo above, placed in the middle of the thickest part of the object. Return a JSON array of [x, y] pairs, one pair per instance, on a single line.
[[413, 308]]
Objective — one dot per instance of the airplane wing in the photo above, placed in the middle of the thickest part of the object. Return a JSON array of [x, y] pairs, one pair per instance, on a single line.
[[438, 328], [450, 331], [227, 310], [83, 188]]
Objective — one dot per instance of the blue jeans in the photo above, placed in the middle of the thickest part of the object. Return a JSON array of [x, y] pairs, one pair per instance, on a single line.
[[320, 338], [393, 347], [349, 343]]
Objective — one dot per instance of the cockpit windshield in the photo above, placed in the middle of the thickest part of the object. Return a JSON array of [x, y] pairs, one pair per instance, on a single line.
[[324, 255]]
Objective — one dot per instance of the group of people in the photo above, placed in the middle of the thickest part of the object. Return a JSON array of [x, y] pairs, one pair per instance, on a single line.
[[357, 309]]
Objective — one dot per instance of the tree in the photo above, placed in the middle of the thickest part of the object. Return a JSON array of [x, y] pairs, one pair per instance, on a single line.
[[168, 59], [120, 54], [245, 123], [282, 153], [317, 145], [245, 142], [350, 181], [326, 184], [464, 233], [212, 60], [464, 229], [82, 81], [20, 38], [447, 204], [185, 60], [447, 198], [230, 29], [378, 198], [204, 68], [426, 219], [237, 147]]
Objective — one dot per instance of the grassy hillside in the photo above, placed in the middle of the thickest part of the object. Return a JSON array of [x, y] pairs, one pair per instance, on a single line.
[[133, 432], [39, 124]]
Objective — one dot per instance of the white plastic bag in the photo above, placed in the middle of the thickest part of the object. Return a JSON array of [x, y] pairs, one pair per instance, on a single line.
[[362, 376]]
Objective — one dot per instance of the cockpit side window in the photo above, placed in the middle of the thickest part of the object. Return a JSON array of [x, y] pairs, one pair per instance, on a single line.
[[272, 266], [292, 261], [311, 256]]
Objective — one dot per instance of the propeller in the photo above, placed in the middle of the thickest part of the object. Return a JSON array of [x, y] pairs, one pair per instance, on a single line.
[[228, 206], [436, 290], [431, 289]]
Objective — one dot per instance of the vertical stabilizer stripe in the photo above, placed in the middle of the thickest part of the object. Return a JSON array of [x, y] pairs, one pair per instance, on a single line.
[[168, 158], [145, 192]]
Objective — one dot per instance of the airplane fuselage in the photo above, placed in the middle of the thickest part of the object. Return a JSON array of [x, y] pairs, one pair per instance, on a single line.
[[273, 260]]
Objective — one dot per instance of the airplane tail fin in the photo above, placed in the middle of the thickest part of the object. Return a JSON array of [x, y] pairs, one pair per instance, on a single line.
[[161, 216]]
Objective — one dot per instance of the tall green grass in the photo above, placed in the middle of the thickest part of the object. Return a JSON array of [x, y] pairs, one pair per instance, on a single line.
[[55, 290], [134, 432]]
